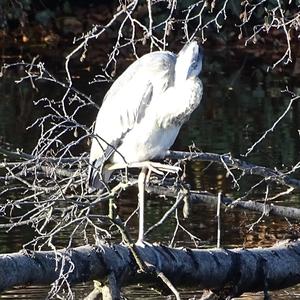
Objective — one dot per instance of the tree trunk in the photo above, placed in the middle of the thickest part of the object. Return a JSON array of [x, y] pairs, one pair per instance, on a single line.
[[228, 271]]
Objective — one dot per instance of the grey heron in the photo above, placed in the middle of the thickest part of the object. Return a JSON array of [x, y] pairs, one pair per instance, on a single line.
[[142, 113]]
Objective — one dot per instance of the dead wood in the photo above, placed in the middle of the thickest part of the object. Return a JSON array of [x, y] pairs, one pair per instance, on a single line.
[[229, 161], [268, 209], [225, 271]]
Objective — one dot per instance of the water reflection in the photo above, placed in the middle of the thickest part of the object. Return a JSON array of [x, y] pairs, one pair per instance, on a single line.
[[241, 101]]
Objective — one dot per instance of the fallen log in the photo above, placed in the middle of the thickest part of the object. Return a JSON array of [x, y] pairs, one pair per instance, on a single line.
[[232, 272]]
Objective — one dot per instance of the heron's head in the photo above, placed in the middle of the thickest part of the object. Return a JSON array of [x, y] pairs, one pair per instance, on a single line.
[[189, 61]]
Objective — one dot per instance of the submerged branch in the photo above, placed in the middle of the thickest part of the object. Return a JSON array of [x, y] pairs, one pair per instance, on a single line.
[[211, 199], [264, 208]]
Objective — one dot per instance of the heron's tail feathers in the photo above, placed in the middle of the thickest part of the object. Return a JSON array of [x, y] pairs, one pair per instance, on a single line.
[[98, 176]]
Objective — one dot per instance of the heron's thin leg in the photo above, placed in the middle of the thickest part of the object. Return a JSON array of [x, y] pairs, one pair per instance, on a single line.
[[148, 176], [111, 210], [141, 196]]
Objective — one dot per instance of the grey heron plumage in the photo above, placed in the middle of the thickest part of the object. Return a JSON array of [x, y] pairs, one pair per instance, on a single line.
[[144, 109]]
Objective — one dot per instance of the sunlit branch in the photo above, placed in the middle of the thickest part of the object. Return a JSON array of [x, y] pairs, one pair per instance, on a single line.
[[273, 126]]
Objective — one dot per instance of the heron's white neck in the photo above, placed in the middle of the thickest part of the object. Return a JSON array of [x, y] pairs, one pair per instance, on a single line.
[[180, 77], [188, 63]]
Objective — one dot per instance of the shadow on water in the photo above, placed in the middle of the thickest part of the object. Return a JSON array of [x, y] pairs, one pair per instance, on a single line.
[[241, 100]]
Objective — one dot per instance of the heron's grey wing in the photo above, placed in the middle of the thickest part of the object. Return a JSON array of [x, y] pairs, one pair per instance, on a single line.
[[155, 62], [97, 175]]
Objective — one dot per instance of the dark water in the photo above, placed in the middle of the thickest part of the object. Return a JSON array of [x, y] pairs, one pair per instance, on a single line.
[[241, 100]]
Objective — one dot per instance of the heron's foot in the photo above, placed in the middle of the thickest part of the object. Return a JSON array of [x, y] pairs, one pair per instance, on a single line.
[[120, 186], [142, 243], [155, 167], [159, 168]]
